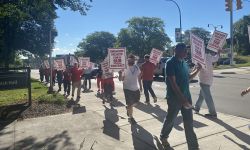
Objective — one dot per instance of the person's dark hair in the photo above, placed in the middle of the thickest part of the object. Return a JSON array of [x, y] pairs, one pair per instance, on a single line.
[[146, 56], [131, 56], [180, 47]]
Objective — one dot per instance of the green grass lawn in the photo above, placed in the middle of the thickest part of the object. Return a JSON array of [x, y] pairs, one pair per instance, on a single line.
[[38, 93], [241, 61]]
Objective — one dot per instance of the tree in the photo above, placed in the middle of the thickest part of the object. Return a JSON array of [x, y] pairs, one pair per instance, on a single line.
[[95, 45], [200, 32], [26, 24], [241, 35], [143, 34]]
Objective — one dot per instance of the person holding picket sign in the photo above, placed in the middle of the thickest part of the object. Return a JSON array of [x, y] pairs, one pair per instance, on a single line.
[[147, 70], [131, 77], [76, 74], [66, 81], [59, 77], [206, 80]]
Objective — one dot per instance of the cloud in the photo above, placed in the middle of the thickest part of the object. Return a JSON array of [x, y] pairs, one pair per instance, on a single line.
[[56, 49], [63, 50]]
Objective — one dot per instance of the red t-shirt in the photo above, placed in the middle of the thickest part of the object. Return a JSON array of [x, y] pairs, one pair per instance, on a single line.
[[147, 70], [76, 74]]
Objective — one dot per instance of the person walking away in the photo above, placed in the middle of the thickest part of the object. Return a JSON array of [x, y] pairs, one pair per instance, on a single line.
[[76, 74], [131, 77], [147, 70], [206, 80], [53, 76], [47, 72], [59, 77], [99, 79], [66, 81], [41, 73], [87, 78], [179, 97]]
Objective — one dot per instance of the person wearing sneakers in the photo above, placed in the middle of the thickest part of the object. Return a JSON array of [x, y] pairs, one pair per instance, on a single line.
[[66, 81], [76, 74], [130, 77], [147, 70], [206, 80], [179, 97]]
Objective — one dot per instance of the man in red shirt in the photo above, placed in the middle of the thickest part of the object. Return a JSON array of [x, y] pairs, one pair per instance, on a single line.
[[147, 70], [76, 74]]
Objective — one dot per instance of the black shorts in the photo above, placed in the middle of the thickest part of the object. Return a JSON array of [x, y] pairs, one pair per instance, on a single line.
[[132, 97]]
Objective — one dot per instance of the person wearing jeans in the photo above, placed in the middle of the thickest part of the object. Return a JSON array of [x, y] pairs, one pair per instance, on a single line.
[[147, 70], [179, 97], [206, 79], [76, 74]]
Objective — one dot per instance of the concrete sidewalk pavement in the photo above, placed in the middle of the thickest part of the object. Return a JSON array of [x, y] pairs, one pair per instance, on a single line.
[[102, 127]]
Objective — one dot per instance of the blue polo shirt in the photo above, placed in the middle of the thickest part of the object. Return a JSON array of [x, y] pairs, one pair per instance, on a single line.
[[179, 69]]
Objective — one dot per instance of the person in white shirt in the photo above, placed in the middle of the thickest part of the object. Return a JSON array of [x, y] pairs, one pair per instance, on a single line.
[[131, 77], [206, 80]]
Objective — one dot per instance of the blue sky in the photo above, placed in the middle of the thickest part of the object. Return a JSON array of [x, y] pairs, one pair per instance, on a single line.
[[111, 16]]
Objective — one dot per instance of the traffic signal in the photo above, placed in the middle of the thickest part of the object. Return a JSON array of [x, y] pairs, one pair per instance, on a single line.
[[238, 4], [228, 5]]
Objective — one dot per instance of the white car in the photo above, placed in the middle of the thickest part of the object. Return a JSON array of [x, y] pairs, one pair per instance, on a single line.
[[160, 67]]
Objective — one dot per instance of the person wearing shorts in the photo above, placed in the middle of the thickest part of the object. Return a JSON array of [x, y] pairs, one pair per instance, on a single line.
[[131, 77]]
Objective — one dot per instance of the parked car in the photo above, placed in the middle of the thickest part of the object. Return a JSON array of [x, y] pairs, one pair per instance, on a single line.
[[223, 61], [160, 67]]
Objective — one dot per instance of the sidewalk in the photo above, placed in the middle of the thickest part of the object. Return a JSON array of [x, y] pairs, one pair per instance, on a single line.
[[105, 128]]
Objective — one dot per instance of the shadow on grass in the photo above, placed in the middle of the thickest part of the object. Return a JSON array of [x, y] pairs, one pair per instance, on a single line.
[[50, 143], [10, 113]]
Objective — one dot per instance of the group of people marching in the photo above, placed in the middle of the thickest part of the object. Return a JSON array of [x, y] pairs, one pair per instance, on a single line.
[[135, 79]]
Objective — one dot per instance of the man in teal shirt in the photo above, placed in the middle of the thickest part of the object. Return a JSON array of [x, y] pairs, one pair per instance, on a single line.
[[179, 97]]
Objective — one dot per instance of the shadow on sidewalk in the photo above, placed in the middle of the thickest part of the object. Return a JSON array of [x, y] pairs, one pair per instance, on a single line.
[[49, 143], [10, 113], [109, 126], [142, 139], [160, 115], [240, 135], [244, 147]]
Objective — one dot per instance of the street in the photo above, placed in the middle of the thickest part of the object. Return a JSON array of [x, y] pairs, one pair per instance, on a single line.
[[225, 90]]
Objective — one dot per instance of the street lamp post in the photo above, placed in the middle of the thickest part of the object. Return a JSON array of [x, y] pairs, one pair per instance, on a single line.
[[179, 16], [50, 64], [215, 27]]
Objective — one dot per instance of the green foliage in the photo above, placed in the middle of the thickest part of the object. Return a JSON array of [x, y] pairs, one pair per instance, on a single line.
[[95, 45], [39, 93], [143, 34], [241, 38], [200, 32], [26, 25]]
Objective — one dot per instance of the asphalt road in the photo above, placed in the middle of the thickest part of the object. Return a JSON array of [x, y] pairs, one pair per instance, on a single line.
[[226, 90]]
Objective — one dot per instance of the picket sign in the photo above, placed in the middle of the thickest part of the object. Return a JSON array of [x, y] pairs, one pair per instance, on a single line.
[[155, 56], [197, 50], [72, 60], [59, 64], [105, 69], [217, 41], [46, 64], [84, 62], [117, 59]]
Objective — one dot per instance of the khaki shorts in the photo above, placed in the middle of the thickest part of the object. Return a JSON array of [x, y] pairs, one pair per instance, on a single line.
[[132, 97]]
